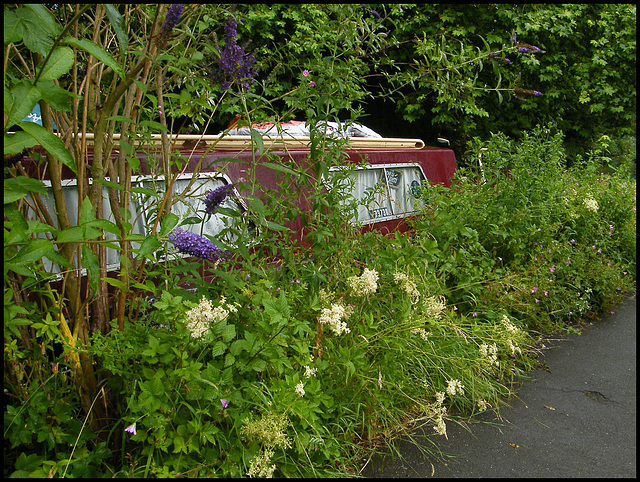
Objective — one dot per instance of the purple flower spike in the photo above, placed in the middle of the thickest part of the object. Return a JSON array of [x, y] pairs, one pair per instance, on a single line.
[[196, 245], [170, 21], [216, 197], [233, 63]]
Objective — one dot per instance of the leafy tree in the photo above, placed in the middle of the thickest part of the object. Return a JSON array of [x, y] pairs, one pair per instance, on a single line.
[[587, 74]]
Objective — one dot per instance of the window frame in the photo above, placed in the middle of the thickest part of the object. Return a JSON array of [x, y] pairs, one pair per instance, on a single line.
[[392, 202], [139, 212]]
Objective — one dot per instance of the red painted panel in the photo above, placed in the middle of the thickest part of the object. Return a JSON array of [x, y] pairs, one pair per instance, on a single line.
[[438, 164]]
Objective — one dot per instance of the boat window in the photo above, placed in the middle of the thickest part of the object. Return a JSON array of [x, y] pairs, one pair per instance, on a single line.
[[189, 204], [384, 191]]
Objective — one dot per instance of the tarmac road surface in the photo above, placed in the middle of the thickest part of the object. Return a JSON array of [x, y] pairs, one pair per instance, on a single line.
[[578, 420]]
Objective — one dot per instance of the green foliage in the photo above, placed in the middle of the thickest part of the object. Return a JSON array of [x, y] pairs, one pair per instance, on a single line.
[[522, 228], [586, 74], [291, 359]]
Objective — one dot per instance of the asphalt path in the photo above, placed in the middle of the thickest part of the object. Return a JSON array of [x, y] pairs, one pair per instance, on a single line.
[[576, 420]]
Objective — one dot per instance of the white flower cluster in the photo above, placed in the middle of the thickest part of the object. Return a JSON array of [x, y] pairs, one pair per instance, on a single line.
[[454, 386], [333, 317], [270, 430], [199, 318], [422, 332], [260, 465], [435, 306], [310, 372], [300, 389], [407, 286], [510, 327], [490, 352], [512, 332], [591, 204], [514, 347], [438, 411], [366, 284], [482, 405]]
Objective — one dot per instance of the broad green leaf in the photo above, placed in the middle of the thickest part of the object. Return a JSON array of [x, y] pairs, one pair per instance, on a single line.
[[258, 365], [116, 283], [143, 190], [90, 261], [154, 125], [256, 137], [168, 223], [104, 224], [17, 188], [19, 223], [45, 19], [97, 51], [25, 97], [256, 205], [54, 95], [87, 212], [33, 251], [70, 235], [149, 245], [228, 333], [18, 268], [191, 220], [111, 184], [11, 30], [58, 259], [218, 349], [134, 162], [117, 22], [52, 143], [57, 65], [278, 167], [30, 30], [11, 196], [89, 233], [121, 118], [275, 226]]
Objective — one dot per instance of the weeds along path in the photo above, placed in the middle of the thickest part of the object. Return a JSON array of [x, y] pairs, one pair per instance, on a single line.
[[578, 419]]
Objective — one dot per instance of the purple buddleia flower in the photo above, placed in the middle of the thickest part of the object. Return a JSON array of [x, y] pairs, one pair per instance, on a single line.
[[530, 49], [233, 63], [534, 93], [513, 37], [170, 21], [216, 197], [196, 245]]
